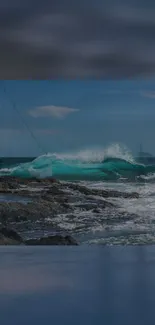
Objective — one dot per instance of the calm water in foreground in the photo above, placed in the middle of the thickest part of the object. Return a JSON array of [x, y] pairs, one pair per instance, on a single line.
[[81, 285]]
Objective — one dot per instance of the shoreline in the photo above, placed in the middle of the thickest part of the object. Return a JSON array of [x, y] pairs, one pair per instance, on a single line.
[[38, 205]]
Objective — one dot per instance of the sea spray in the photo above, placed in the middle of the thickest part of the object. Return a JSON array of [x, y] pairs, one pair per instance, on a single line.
[[112, 163]]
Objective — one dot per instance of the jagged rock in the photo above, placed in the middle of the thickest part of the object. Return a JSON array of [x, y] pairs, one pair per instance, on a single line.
[[9, 237], [10, 233], [47, 200], [104, 193], [52, 240], [8, 241]]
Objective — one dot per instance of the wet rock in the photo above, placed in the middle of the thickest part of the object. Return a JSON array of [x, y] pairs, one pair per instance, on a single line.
[[52, 180], [51, 204], [8, 183], [7, 187], [54, 190], [52, 240], [37, 210], [8, 241], [9, 237], [103, 193], [96, 210], [10, 233]]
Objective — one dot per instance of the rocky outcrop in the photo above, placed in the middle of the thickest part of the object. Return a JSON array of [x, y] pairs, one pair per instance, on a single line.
[[4, 241], [103, 193], [52, 240], [9, 233], [11, 237], [54, 207], [52, 186]]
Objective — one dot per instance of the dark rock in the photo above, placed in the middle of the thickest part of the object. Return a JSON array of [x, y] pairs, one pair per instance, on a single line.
[[54, 190], [52, 240], [52, 180], [9, 237], [96, 210], [47, 199], [104, 193], [8, 241], [9, 233]]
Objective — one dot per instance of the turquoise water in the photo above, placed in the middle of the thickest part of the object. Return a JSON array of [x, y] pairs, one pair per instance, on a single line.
[[84, 166]]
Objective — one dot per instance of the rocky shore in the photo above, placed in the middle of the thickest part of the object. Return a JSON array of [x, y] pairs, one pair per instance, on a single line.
[[11, 237], [39, 204]]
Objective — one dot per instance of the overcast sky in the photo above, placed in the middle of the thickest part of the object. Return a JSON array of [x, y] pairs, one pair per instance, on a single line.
[[109, 40], [69, 115], [57, 38]]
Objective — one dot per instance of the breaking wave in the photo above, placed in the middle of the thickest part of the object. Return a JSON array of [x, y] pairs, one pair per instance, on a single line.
[[112, 163]]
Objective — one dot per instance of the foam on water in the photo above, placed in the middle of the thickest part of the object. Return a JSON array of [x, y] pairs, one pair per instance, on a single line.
[[131, 220], [112, 163]]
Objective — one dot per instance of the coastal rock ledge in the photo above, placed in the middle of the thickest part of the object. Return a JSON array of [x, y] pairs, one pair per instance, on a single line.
[[11, 237]]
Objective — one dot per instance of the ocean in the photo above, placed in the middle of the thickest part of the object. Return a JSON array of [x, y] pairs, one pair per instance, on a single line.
[[111, 168]]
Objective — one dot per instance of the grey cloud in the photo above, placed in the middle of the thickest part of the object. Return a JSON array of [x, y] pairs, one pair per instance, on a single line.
[[45, 39], [52, 111]]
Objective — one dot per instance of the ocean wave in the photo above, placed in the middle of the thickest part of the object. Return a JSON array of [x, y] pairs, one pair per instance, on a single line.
[[112, 163]]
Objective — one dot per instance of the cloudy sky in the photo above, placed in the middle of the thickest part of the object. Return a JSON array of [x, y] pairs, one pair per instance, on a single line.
[[70, 115], [55, 38]]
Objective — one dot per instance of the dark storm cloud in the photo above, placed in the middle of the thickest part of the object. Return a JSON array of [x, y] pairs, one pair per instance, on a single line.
[[45, 39]]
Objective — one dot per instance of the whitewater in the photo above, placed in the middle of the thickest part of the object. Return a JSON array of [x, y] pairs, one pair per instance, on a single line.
[[110, 164], [112, 168]]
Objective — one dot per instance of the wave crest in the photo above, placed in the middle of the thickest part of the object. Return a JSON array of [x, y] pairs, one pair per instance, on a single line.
[[112, 163]]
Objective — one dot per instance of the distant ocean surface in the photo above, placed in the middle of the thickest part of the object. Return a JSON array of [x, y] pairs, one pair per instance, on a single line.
[[14, 161]]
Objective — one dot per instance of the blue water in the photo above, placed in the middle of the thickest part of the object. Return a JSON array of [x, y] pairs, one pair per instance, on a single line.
[[13, 198], [109, 164], [81, 285]]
